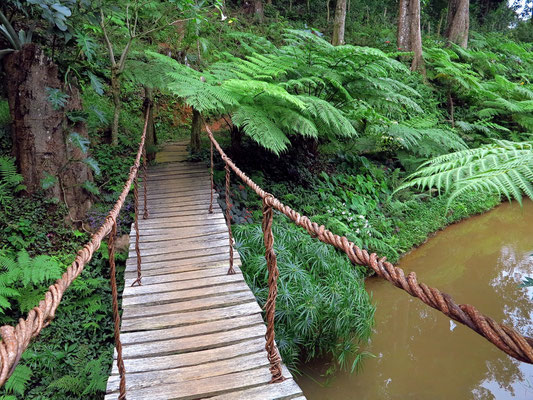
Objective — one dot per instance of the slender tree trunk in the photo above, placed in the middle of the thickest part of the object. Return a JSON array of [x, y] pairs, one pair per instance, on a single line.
[[115, 92], [403, 35], [339, 23], [236, 140], [416, 37], [196, 131], [259, 12], [458, 22], [439, 26], [409, 35], [151, 140], [327, 10], [41, 131]]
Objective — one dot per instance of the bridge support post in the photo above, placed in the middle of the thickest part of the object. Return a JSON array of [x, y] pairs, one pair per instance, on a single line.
[[231, 271], [116, 315], [145, 184], [270, 305]]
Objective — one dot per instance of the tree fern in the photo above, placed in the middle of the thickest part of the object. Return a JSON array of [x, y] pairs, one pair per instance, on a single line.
[[504, 168]]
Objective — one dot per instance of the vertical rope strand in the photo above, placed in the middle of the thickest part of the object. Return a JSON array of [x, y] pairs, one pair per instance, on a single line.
[[212, 183], [116, 315], [270, 305], [136, 224], [231, 271], [145, 184]]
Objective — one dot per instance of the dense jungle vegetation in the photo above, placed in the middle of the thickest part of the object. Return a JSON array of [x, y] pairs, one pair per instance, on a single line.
[[383, 120]]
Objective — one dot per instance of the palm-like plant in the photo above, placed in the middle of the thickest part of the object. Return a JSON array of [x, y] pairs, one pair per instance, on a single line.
[[503, 167]]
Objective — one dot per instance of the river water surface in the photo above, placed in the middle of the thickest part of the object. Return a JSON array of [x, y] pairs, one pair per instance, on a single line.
[[421, 354]]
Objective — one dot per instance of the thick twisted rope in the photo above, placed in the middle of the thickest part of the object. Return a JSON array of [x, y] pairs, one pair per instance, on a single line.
[[502, 336], [231, 271], [270, 305], [116, 314], [15, 340]]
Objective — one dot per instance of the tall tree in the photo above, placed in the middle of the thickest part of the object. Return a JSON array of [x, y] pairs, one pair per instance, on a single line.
[[458, 22], [339, 23], [409, 35]]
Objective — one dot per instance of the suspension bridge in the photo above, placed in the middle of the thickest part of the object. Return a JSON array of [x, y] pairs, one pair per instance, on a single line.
[[190, 326]]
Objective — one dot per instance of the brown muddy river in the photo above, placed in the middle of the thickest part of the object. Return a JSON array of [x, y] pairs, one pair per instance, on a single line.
[[421, 354]]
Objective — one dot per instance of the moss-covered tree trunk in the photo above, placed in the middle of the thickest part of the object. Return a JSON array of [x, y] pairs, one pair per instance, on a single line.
[[339, 23], [41, 130], [458, 22]]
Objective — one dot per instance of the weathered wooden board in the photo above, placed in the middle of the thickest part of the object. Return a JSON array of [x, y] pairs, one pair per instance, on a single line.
[[191, 330]]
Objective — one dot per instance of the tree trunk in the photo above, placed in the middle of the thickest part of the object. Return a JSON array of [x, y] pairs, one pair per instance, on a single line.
[[115, 92], [151, 139], [338, 24], [196, 131], [236, 140], [41, 132], [458, 22], [258, 10], [403, 36], [409, 35]]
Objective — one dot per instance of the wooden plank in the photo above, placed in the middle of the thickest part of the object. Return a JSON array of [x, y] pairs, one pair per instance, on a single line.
[[164, 225], [183, 244], [193, 263], [191, 317], [282, 390], [204, 303], [175, 286], [169, 268], [199, 388], [154, 378], [155, 235], [168, 297], [134, 365], [189, 253], [197, 329], [193, 343], [178, 193], [182, 220], [172, 276], [178, 274]]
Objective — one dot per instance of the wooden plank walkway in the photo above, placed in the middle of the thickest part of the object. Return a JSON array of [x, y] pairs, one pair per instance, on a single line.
[[190, 331]]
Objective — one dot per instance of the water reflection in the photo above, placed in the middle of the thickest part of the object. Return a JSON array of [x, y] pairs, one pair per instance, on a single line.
[[421, 354]]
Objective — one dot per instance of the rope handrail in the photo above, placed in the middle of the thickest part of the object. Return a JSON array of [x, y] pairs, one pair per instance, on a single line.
[[15, 340], [502, 336]]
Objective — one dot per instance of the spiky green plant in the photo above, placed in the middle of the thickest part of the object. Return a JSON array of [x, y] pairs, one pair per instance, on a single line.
[[503, 167], [322, 307]]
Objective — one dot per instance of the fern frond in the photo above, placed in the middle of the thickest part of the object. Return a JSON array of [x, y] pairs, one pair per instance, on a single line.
[[504, 168]]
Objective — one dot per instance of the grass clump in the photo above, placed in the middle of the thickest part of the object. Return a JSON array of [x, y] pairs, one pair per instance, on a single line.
[[322, 307]]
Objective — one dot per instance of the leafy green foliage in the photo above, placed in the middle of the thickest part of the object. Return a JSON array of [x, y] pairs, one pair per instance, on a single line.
[[57, 98], [17, 382], [504, 168], [20, 277], [10, 181], [322, 307]]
